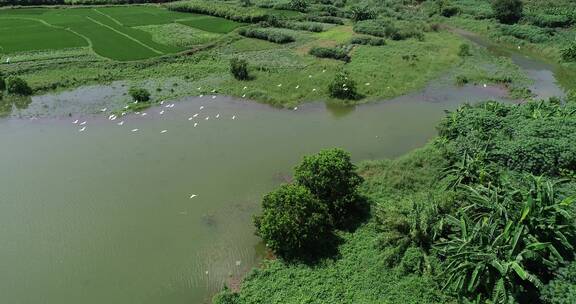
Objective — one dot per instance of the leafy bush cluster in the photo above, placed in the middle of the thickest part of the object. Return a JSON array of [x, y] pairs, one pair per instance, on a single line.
[[297, 219], [338, 53], [239, 69], [490, 230], [343, 87], [272, 35], [359, 13], [534, 138], [507, 11], [367, 40], [220, 9], [17, 86], [139, 94], [323, 19], [569, 53], [304, 26], [389, 29]]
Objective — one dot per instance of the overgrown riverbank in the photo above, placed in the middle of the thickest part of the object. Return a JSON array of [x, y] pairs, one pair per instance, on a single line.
[[459, 218]]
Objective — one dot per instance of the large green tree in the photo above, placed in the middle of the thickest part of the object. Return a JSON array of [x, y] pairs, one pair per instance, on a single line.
[[507, 11], [331, 176], [293, 221]]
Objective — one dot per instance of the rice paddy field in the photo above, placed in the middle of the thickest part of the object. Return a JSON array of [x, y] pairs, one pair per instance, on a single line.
[[119, 33]]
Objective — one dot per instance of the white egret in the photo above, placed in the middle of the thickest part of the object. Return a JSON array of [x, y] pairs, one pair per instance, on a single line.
[[103, 110], [162, 102], [163, 131], [161, 112], [75, 122], [121, 123], [123, 113], [484, 85], [243, 95], [134, 130], [244, 88], [279, 85], [82, 130], [298, 86], [214, 90], [233, 117], [195, 115], [201, 96], [314, 90], [190, 118], [207, 117], [213, 96], [83, 123], [201, 107], [126, 107], [295, 108], [195, 124], [218, 115], [193, 196], [367, 83], [144, 114]]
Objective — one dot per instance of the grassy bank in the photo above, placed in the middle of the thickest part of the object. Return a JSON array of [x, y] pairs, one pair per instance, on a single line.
[[440, 229]]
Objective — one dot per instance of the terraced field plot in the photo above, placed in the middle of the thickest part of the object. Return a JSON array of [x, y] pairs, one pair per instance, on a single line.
[[111, 32]]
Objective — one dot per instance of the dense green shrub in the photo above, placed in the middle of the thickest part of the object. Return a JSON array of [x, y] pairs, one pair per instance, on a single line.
[[526, 32], [18, 86], [272, 35], [304, 26], [507, 11], [226, 297], [449, 11], [2, 83], [299, 5], [293, 221], [548, 20], [389, 29], [367, 40], [569, 53], [535, 137], [139, 94], [239, 68], [342, 87], [330, 175], [359, 13], [323, 19], [562, 289], [464, 50], [328, 52], [220, 9]]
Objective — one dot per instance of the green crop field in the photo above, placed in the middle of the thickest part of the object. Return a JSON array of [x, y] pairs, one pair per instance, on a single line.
[[111, 32]]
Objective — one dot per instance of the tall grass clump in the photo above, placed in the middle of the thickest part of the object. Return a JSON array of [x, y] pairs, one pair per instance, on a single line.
[[337, 53], [272, 35]]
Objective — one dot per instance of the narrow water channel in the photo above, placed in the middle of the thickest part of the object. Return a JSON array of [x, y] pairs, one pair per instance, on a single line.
[[157, 210]]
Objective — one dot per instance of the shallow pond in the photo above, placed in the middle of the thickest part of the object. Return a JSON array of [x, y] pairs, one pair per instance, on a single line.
[[157, 210]]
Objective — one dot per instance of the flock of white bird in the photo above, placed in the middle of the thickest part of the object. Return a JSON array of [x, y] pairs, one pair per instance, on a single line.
[[164, 107]]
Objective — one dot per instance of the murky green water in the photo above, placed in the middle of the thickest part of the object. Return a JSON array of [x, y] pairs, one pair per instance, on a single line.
[[106, 215]]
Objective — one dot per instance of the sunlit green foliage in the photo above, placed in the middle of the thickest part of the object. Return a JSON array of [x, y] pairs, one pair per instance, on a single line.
[[293, 222]]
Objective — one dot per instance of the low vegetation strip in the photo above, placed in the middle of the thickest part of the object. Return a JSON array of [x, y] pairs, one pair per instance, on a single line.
[[270, 34], [220, 9]]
